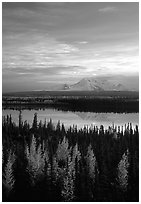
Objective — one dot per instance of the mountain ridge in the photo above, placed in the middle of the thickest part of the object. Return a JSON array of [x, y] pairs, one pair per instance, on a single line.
[[96, 84]]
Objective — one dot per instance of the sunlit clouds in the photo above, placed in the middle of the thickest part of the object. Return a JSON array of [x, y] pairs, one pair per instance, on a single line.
[[63, 42], [107, 9]]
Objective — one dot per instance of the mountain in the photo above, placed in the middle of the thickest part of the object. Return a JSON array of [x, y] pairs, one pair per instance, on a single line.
[[93, 84]]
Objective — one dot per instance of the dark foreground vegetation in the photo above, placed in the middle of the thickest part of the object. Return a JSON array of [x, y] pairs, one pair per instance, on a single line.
[[118, 105], [43, 162]]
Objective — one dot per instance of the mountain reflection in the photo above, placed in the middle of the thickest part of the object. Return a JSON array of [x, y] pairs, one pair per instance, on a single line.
[[79, 118], [96, 117]]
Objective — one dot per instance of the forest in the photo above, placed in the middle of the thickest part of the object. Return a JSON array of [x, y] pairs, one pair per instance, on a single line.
[[47, 162], [98, 103]]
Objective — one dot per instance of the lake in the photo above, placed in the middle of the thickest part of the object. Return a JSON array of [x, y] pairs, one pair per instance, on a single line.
[[77, 118]]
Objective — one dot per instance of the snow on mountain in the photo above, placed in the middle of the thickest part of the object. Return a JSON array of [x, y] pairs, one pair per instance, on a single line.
[[85, 85], [93, 84]]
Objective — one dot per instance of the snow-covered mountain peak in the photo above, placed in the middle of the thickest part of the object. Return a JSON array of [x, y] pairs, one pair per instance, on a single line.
[[96, 84]]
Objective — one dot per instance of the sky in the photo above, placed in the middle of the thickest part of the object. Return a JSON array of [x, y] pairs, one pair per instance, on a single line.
[[44, 43]]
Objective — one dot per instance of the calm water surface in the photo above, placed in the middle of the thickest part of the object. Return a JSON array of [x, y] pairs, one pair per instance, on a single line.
[[78, 118]]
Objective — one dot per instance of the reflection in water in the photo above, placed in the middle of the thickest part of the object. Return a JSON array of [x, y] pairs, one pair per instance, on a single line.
[[123, 171], [79, 118], [88, 116]]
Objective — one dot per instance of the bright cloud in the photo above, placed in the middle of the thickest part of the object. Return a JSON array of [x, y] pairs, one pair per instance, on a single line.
[[108, 9]]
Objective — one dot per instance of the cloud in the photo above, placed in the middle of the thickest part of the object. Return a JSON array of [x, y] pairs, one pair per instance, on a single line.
[[38, 50], [107, 9], [83, 42], [54, 58], [55, 42]]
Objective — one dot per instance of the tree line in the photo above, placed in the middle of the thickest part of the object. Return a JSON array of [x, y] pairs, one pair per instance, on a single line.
[[44, 162]]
